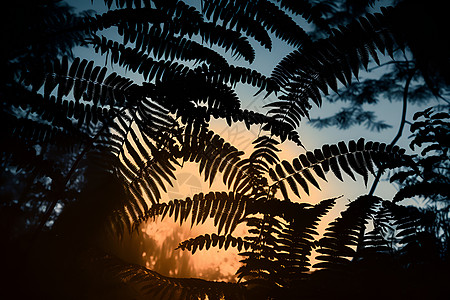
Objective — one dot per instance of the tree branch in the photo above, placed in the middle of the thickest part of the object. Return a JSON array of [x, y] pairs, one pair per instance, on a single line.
[[400, 129]]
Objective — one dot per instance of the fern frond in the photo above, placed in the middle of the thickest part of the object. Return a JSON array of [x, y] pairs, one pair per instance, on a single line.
[[139, 150], [238, 20], [162, 44], [422, 189], [304, 74], [206, 241], [374, 243], [85, 81], [226, 209], [138, 61], [342, 236], [236, 74], [310, 12], [211, 152], [266, 13], [111, 271], [123, 17], [150, 170], [235, 114], [187, 21], [259, 263], [359, 157], [297, 239], [280, 241], [406, 221]]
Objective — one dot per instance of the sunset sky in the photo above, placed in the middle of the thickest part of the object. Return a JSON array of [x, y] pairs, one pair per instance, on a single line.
[[218, 264]]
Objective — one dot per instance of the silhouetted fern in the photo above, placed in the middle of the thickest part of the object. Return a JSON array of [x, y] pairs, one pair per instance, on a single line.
[[225, 208], [125, 141], [156, 286], [338, 245], [359, 157]]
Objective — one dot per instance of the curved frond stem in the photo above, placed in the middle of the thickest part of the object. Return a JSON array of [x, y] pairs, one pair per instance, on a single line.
[[400, 129]]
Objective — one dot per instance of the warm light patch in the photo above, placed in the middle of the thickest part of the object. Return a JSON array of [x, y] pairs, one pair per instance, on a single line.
[[212, 264], [220, 264]]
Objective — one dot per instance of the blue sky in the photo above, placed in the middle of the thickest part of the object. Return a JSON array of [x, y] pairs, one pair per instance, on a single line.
[[312, 138]]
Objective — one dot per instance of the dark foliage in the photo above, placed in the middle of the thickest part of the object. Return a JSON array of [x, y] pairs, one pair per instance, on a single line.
[[88, 153]]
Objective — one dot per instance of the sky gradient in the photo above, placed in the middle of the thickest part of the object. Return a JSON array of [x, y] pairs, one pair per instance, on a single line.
[[220, 265]]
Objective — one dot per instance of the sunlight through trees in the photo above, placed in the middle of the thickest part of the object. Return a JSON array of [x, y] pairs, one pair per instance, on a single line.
[[168, 163]]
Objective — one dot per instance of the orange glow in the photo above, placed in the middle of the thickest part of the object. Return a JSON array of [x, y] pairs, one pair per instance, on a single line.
[[220, 264], [212, 264]]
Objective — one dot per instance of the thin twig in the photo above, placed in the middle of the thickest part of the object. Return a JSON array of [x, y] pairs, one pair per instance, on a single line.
[[400, 129]]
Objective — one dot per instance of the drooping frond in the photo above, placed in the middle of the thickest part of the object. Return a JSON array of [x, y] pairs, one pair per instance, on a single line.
[[155, 31], [406, 221], [340, 56], [428, 177], [249, 175], [277, 128], [109, 271], [423, 189], [138, 61], [225, 208], [338, 245], [305, 74], [188, 21], [297, 239], [139, 145], [237, 19], [210, 151], [311, 12], [259, 261], [86, 82], [235, 74], [431, 129], [265, 149], [359, 157], [267, 14], [220, 241], [281, 241], [127, 3], [374, 244], [124, 18]]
